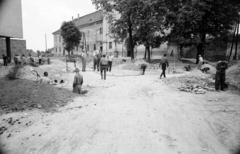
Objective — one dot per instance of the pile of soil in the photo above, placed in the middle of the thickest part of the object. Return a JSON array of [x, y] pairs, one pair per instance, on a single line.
[[195, 82], [21, 94]]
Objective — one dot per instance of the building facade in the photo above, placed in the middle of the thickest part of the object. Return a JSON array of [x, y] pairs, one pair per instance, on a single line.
[[17, 47], [11, 28], [95, 35]]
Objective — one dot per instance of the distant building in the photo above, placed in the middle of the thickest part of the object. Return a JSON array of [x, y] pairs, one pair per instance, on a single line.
[[95, 30], [11, 31]]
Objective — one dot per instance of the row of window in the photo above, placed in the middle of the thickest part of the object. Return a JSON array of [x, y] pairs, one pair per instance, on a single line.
[[59, 49], [60, 38]]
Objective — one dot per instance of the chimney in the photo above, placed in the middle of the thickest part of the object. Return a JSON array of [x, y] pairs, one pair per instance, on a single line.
[[78, 15], [72, 17]]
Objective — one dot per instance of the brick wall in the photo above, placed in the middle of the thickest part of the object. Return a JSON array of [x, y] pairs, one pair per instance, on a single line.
[[17, 47]]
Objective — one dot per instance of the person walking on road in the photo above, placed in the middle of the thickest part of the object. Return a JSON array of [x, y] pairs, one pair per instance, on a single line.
[[77, 82], [84, 61], [103, 67], [164, 63], [110, 59]]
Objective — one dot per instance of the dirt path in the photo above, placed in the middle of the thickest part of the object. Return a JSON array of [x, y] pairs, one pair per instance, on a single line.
[[136, 114]]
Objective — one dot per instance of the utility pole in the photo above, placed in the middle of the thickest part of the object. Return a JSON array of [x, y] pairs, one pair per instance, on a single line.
[[46, 42]]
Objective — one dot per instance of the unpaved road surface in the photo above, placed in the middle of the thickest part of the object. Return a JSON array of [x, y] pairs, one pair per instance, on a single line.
[[132, 114]]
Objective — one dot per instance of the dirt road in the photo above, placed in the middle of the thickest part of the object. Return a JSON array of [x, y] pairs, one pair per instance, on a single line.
[[126, 115]]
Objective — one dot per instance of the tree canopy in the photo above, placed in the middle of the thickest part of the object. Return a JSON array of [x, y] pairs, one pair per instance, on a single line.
[[195, 21], [71, 36], [188, 22]]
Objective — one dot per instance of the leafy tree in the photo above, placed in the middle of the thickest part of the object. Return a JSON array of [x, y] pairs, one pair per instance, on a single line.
[[124, 26], [195, 21], [140, 21], [150, 24], [71, 36]]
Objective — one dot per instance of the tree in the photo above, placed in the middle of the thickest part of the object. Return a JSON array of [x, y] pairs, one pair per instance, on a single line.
[[71, 36], [150, 24], [124, 26], [192, 22]]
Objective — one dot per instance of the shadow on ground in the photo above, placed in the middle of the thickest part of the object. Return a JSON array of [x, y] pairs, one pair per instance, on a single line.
[[21, 94]]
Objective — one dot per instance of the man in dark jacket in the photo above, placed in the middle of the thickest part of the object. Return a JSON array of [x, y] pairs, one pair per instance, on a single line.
[[221, 75], [164, 64]]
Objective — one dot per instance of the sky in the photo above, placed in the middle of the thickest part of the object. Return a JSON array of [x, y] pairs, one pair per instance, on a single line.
[[42, 17]]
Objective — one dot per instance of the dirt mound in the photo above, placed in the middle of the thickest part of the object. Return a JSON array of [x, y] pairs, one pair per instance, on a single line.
[[20, 95], [233, 74], [194, 82]]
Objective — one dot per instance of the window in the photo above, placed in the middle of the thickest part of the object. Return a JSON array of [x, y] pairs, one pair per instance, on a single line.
[[110, 45], [59, 49], [101, 30], [59, 38]]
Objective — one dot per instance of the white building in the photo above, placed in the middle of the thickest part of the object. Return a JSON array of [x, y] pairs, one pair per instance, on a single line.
[[95, 35]]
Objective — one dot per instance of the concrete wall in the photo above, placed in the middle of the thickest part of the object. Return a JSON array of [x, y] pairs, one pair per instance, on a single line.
[[11, 18], [17, 47]]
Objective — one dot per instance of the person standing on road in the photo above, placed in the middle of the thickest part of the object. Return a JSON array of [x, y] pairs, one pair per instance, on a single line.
[[39, 59], [200, 61], [103, 66], [99, 55], [221, 75], [164, 63], [83, 57], [110, 59], [77, 82], [95, 62]]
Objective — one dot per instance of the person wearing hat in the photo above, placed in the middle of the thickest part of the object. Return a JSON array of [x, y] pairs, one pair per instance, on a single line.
[[103, 66], [44, 79], [77, 82]]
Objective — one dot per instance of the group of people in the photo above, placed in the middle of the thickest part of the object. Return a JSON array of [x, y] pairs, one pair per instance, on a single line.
[[220, 76], [102, 63], [21, 59]]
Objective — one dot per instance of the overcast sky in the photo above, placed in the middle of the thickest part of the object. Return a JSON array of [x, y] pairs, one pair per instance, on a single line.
[[46, 16]]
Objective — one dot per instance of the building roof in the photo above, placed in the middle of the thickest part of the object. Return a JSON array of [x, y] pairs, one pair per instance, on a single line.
[[86, 20], [89, 18]]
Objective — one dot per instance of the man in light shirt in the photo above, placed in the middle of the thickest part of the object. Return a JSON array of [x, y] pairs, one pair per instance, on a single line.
[[110, 59]]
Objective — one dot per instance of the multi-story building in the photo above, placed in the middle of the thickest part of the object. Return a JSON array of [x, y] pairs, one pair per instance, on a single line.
[[11, 28], [95, 35]]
